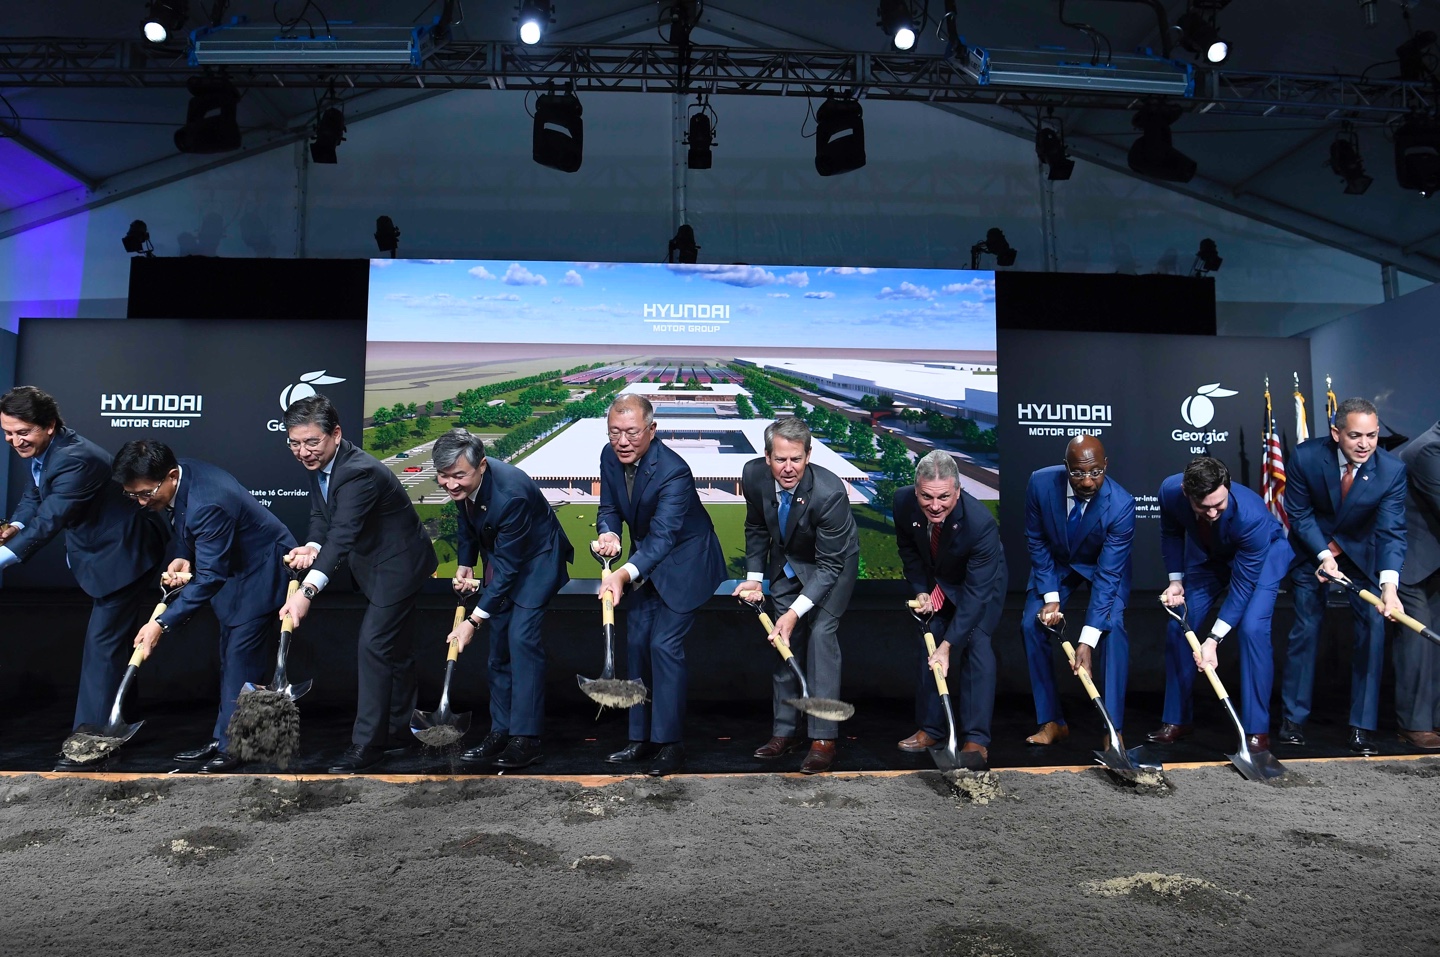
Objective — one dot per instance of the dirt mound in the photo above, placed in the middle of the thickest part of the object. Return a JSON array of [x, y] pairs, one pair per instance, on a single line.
[[1191, 894], [822, 798], [985, 940], [975, 787], [1425, 768], [513, 850], [441, 793], [601, 865], [270, 800], [201, 846], [119, 797], [38, 838]]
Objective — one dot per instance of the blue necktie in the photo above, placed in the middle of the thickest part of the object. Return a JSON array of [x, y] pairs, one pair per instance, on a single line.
[[325, 486], [35, 468], [783, 514], [1072, 527]]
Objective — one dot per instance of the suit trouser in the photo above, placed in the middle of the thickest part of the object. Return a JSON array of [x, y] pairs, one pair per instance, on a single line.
[[1366, 663], [1417, 659], [109, 643], [1251, 633], [245, 653], [1112, 658], [976, 685], [655, 654], [517, 671], [816, 642], [386, 659]]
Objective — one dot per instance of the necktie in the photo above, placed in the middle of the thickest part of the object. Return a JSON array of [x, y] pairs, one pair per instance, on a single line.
[[1072, 525], [1347, 480], [783, 515], [170, 516], [325, 486], [35, 468], [1205, 534], [934, 540], [630, 481], [937, 597]]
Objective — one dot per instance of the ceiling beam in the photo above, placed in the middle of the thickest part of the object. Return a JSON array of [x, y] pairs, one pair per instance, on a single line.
[[1239, 189], [9, 132]]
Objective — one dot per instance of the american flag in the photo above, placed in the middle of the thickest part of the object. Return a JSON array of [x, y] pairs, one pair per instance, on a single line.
[[1272, 472]]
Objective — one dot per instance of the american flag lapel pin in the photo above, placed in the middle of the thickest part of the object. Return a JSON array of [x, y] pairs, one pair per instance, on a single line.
[[914, 524], [799, 501]]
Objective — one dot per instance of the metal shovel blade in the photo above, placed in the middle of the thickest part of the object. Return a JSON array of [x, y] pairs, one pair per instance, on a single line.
[[438, 729], [291, 691], [91, 743], [827, 709]]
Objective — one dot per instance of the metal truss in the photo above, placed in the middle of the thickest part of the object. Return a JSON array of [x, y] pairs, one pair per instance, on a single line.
[[655, 68]]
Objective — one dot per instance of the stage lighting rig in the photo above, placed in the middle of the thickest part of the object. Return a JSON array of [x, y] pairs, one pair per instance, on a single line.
[[1345, 161], [701, 136], [996, 245], [387, 237], [1050, 148], [329, 129], [839, 136], [683, 246], [210, 124], [559, 136], [534, 16], [1417, 154], [1416, 59], [165, 17], [1197, 32], [901, 22], [1153, 153], [137, 240], [1207, 260]]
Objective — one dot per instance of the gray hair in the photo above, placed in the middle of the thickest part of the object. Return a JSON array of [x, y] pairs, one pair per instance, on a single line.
[[630, 402], [937, 466], [792, 428], [453, 444], [1354, 405]]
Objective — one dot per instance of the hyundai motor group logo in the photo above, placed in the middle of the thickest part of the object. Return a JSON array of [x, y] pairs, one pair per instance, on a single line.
[[1198, 410], [303, 389]]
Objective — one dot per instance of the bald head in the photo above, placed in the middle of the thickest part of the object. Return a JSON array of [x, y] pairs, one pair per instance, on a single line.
[[1085, 462]]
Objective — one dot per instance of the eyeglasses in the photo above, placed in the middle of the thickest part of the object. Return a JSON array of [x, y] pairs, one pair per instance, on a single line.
[[310, 444], [1092, 474], [631, 434], [143, 496]]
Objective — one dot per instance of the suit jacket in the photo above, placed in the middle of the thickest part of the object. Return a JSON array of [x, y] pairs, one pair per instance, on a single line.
[[672, 540], [1100, 553], [512, 526], [821, 542], [110, 542], [1240, 541], [969, 566], [1421, 456], [1369, 526], [234, 545], [368, 522]]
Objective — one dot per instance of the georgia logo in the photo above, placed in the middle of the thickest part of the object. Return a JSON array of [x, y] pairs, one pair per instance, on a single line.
[[305, 388], [1198, 410]]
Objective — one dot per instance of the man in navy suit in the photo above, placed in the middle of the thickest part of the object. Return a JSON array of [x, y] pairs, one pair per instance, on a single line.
[[113, 549], [1214, 537], [236, 549], [1417, 659], [1346, 500], [675, 564], [505, 520], [950, 548], [1079, 524]]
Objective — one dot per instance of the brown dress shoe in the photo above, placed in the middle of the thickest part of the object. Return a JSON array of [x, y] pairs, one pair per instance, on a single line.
[[1425, 740], [1169, 733], [779, 745], [918, 741], [1258, 742], [821, 756], [972, 746], [1049, 733]]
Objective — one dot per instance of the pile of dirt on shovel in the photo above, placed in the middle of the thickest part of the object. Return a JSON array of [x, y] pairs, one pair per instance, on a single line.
[[265, 727]]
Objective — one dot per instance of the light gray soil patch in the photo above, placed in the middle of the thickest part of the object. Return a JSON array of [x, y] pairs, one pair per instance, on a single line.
[[1192, 895], [509, 848], [822, 798], [121, 797], [985, 940], [1145, 782], [601, 865], [25, 839], [975, 787], [203, 845], [270, 799]]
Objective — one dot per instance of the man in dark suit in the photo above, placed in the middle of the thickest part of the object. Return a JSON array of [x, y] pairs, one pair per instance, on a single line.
[[360, 515], [235, 548], [1214, 537], [950, 548], [1079, 524], [1346, 500], [1417, 659], [505, 520], [675, 564], [113, 549], [801, 535]]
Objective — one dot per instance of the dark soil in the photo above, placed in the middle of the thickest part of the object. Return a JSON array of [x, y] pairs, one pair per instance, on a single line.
[[265, 726], [201, 846], [275, 799], [24, 839]]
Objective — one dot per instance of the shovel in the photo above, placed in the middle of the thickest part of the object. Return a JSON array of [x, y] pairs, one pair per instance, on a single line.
[[947, 757], [280, 683], [442, 727], [607, 690], [1254, 765], [90, 743], [1115, 757], [827, 709], [1369, 596]]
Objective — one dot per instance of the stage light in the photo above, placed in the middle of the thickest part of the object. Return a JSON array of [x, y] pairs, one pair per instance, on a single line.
[[1152, 154], [210, 124], [996, 245], [1345, 161], [898, 22], [1196, 32], [683, 246], [1411, 55], [839, 136], [329, 133], [534, 17], [559, 140], [701, 137], [137, 240], [1368, 12], [1417, 154], [1207, 260], [164, 18], [1050, 147], [387, 237]]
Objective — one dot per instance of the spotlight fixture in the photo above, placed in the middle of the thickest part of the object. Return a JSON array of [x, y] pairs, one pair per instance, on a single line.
[[1412, 54], [683, 246], [1345, 161], [898, 22], [165, 17], [1153, 154], [1417, 154], [1207, 260], [559, 140], [210, 124], [701, 136], [996, 245], [839, 136], [387, 237], [1050, 147], [533, 16], [1196, 31], [329, 133], [137, 240], [1368, 12]]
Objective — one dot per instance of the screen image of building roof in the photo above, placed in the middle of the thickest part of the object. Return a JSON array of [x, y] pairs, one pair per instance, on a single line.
[[968, 385]]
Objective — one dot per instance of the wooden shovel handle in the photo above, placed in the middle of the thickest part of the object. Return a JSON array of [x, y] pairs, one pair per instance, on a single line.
[[1209, 672], [138, 656], [159, 610], [939, 675], [454, 653], [287, 624], [780, 644], [607, 611], [1084, 674], [1403, 618]]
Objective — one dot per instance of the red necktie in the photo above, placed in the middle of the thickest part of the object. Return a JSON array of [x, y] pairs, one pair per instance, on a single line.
[[1347, 480], [937, 597], [1205, 534]]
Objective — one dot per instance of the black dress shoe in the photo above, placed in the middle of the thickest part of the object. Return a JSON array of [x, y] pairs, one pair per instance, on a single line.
[[1362, 741], [669, 760], [632, 752], [1291, 733], [222, 761], [1169, 733], [358, 758], [486, 751], [200, 753], [519, 752]]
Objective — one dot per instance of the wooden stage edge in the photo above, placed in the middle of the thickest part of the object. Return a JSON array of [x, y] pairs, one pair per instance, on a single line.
[[602, 780]]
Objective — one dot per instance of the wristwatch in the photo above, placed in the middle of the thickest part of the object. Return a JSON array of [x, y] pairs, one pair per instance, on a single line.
[[1218, 639], [164, 628], [475, 620], [309, 591]]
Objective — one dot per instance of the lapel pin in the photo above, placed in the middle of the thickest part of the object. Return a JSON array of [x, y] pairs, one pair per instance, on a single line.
[[914, 524]]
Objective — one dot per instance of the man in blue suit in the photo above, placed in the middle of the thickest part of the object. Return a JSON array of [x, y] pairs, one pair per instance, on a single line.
[[1214, 537], [1079, 524], [675, 564], [1346, 500], [505, 520], [235, 548], [113, 549]]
